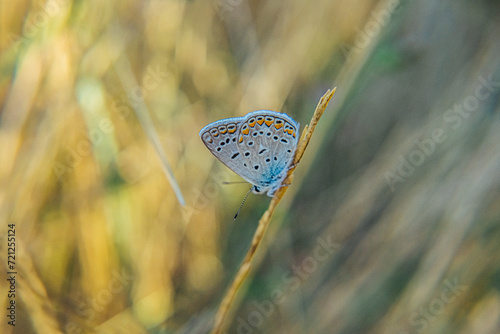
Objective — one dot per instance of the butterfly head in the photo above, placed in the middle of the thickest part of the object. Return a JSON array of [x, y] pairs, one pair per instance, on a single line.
[[258, 190]]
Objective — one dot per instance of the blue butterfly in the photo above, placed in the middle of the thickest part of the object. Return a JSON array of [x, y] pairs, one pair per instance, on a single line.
[[259, 147]]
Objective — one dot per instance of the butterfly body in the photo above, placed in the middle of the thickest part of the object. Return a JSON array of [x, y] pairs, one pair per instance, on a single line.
[[259, 146]]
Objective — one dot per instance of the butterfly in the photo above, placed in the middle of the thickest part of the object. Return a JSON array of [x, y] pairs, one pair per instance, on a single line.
[[259, 147]]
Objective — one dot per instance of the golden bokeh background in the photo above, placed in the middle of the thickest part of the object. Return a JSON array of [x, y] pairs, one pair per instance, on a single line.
[[390, 226]]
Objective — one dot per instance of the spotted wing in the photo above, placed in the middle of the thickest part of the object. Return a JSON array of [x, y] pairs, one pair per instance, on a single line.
[[267, 141], [220, 138]]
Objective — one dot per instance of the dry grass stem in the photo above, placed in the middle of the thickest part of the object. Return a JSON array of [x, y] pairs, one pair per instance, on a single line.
[[246, 265], [141, 111]]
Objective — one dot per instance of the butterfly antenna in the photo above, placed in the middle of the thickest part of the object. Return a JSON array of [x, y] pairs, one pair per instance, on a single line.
[[244, 199]]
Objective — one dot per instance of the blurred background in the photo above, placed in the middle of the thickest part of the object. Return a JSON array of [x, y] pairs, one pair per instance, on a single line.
[[390, 226]]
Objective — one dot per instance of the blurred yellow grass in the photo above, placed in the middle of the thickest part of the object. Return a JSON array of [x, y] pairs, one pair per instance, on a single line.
[[102, 243]]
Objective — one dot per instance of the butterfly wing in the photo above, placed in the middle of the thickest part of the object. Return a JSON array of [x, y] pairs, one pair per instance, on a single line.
[[220, 139], [267, 140], [258, 147]]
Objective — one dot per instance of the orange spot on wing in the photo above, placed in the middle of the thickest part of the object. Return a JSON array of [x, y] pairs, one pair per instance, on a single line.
[[241, 139], [245, 131], [268, 123], [261, 121], [223, 131], [278, 126], [252, 124], [232, 130]]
